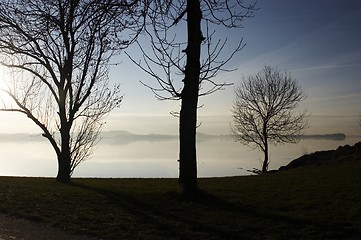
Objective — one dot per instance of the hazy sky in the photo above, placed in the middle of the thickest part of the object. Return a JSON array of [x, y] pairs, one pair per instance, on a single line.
[[317, 41]]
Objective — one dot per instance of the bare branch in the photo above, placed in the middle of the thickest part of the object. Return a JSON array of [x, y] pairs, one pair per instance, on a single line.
[[228, 13], [165, 59]]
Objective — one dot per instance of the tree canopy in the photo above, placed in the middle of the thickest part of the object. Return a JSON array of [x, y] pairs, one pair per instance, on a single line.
[[263, 110], [59, 53]]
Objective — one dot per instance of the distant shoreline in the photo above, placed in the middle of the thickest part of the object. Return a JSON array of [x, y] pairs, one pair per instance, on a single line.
[[128, 136], [336, 136]]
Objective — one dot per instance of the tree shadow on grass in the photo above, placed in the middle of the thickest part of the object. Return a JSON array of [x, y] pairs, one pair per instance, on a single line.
[[270, 220], [168, 216]]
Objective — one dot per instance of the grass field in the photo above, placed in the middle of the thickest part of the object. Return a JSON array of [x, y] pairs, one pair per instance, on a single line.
[[305, 203]]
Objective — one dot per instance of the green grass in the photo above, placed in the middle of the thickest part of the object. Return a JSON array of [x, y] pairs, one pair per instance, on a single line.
[[306, 203]]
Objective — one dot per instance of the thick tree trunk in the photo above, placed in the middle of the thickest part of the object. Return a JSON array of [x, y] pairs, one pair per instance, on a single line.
[[188, 113], [64, 157], [64, 170], [188, 156]]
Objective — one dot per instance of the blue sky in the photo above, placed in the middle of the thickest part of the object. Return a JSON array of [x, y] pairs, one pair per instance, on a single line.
[[317, 41]]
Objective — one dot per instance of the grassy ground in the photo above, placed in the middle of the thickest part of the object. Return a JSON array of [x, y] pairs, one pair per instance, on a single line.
[[307, 203]]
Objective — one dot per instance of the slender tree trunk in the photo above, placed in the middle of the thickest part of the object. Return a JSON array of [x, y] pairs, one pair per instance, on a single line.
[[265, 161], [188, 113]]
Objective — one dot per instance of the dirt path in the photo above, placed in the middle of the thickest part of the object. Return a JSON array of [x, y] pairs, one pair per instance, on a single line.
[[21, 229]]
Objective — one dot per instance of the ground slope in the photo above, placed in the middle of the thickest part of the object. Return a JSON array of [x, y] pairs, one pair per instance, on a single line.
[[341, 154]]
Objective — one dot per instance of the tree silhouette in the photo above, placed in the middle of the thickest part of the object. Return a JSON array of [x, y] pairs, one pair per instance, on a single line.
[[59, 52], [181, 70], [263, 111]]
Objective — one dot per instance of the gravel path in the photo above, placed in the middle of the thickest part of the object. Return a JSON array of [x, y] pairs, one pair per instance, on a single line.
[[21, 229]]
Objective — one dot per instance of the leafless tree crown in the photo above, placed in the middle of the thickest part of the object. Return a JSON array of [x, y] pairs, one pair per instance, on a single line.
[[164, 58], [59, 53], [264, 109]]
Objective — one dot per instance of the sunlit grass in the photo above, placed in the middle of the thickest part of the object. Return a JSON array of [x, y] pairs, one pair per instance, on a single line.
[[308, 203]]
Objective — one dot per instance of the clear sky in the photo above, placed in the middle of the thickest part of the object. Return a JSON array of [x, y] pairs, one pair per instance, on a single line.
[[317, 41]]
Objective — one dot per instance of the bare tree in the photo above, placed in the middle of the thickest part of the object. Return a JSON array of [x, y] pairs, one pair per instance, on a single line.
[[263, 111], [174, 59], [59, 52]]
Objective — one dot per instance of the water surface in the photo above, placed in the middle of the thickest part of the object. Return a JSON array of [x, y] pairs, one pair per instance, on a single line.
[[151, 156]]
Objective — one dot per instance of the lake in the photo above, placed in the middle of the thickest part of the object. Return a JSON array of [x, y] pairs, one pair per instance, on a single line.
[[125, 156]]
